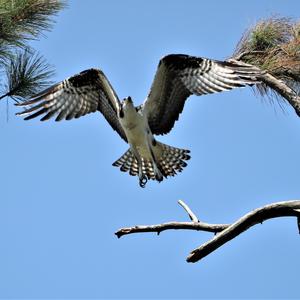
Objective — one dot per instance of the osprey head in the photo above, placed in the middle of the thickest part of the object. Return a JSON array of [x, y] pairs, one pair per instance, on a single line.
[[126, 107], [127, 101]]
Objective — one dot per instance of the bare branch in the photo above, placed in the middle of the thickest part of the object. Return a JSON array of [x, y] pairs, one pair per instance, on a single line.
[[259, 215], [200, 226], [225, 232], [192, 216]]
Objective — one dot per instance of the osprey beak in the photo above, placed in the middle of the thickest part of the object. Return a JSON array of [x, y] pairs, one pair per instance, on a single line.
[[128, 99]]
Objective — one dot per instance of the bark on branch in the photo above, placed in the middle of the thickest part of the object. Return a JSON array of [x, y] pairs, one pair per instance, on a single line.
[[224, 232], [277, 85]]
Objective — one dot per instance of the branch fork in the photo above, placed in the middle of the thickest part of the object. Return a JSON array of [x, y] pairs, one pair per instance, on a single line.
[[226, 232]]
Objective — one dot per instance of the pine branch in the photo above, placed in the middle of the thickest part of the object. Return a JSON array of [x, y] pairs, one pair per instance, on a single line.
[[5, 53], [23, 20], [223, 232], [274, 46], [274, 86], [27, 73]]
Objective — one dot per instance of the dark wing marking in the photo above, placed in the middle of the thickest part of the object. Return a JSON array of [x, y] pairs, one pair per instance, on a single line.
[[178, 76], [75, 97]]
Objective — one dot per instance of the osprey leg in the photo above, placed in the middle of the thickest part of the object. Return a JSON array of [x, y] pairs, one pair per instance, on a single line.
[[129, 163]]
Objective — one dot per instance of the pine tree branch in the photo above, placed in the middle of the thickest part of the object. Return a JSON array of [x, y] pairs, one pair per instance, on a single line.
[[224, 232], [22, 20], [27, 73], [278, 86], [4, 95], [273, 45]]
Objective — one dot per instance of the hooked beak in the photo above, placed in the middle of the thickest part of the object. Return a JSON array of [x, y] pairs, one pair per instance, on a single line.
[[128, 100]]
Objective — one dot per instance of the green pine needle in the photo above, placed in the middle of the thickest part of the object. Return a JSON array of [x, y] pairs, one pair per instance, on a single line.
[[273, 45], [27, 74], [22, 20]]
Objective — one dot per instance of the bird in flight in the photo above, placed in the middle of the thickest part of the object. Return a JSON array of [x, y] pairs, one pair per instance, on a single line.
[[177, 77]]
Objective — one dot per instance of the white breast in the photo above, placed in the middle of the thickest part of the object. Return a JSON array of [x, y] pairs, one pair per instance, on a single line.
[[137, 131]]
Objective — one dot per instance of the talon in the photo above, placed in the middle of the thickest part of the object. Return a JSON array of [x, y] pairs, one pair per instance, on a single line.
[[143, 181], [159, 178]]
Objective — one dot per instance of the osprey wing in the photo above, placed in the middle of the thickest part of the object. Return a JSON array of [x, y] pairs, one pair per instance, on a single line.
[[178, 76], [75, 97]]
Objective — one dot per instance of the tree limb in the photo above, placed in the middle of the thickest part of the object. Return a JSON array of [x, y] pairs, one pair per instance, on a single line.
[[200, 226], [283, 90], [277, 85], [226, 232], [195, 224]]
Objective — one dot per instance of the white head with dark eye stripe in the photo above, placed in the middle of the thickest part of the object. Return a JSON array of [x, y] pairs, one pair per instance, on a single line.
[[127, 106], [127, 102]]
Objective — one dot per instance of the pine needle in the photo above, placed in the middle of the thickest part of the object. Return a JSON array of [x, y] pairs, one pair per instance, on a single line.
[[26, 74], [22, 20], [23, 73], [273, 45]]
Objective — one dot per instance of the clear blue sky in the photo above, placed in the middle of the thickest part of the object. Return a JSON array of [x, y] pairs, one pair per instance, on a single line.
[[61, 200]]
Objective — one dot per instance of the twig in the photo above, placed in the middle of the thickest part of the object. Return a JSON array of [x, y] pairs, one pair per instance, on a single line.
[[4, 95], [192, 216], [226, 232]]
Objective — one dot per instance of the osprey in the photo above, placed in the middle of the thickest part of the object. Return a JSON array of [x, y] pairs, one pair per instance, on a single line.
[[177, 77]]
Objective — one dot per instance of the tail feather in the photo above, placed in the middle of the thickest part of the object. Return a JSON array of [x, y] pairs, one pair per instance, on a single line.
[[168, 161], [127, 162], [171, 160]]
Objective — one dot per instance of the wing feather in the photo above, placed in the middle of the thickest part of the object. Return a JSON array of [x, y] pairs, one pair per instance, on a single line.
[[75, 97], [178, 76]]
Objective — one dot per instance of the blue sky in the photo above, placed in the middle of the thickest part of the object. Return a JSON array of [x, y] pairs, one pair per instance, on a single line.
[[61, 200]]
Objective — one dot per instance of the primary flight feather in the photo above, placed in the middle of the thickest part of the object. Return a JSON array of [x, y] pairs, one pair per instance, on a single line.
[[177, 77]]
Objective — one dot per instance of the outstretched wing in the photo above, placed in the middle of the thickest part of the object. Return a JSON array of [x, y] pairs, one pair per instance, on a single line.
[[75, 97], [178, 76]]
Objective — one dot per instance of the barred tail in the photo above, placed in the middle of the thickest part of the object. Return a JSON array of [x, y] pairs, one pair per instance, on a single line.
[[167, 162], [128, 162], [170, 160]]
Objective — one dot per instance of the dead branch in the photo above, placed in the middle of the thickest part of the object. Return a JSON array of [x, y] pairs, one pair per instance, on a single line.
[[195, 224], [192, 216], [226, 232]]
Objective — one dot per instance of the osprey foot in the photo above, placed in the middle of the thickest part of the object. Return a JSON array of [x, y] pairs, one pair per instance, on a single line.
[[143, 180]]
